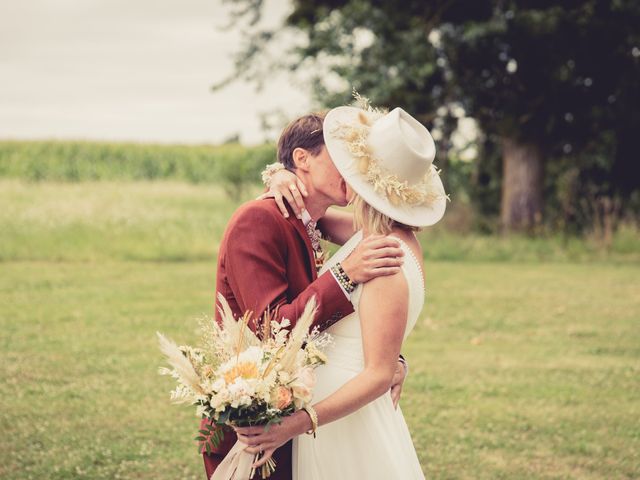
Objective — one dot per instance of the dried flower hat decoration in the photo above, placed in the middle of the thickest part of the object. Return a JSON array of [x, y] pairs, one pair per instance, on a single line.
[[387, 158]]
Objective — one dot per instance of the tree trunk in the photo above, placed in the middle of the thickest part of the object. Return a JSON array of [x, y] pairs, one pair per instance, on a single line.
[[521, 207]]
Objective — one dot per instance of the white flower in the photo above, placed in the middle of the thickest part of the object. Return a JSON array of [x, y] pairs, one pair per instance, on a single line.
[[219, 402], [218, 385], [200, 410], [314, 355], [240, 392], [264, 386], [283, 376], [250, 355]]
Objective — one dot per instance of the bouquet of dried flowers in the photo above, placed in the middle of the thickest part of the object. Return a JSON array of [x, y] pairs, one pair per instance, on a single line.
[[236, 377]]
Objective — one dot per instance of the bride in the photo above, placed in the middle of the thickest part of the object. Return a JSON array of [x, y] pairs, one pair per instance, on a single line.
[[356, 432]]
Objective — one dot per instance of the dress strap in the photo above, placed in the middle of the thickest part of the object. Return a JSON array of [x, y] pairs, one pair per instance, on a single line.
[[412, 255]]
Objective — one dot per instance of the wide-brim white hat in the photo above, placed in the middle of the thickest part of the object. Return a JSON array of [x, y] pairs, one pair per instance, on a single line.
[[387, 159]]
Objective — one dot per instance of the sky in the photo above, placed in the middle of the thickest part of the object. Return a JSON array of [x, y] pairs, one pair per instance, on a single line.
[[130, 70]]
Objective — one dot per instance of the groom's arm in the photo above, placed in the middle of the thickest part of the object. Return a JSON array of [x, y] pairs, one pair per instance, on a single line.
[[256, 266]]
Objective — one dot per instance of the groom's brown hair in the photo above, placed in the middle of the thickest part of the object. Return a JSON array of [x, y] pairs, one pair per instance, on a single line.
[[304, 132]]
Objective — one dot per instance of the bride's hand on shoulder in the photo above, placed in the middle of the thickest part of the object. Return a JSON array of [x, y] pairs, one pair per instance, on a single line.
[[268, 440], [284, 185]]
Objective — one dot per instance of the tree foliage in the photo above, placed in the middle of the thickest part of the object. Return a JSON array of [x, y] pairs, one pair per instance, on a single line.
[[559, 75], [563, 76]]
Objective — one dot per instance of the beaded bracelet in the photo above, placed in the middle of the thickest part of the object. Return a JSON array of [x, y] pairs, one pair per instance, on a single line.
[[269, 171], [343, 278]]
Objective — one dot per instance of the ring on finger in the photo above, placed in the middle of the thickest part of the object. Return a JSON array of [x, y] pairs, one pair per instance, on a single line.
[[292, 187]]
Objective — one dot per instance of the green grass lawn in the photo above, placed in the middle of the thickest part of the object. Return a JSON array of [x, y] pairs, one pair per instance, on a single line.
[[519, 370]]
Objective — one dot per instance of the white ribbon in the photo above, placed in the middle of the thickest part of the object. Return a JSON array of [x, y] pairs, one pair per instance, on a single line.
[[236, 465]]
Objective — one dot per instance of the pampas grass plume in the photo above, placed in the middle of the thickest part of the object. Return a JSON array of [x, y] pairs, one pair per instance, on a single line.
[[179, 362]]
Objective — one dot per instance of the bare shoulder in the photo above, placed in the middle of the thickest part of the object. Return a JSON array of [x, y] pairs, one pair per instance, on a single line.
[[388, 290], [384, 305]]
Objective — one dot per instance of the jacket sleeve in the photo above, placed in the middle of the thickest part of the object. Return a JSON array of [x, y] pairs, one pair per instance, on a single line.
[[256, 265]]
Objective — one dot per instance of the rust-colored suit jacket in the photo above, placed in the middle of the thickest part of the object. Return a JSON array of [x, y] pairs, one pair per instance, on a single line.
[[266, 261]]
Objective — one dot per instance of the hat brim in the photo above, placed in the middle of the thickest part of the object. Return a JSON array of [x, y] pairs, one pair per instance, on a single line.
[[413, 215]]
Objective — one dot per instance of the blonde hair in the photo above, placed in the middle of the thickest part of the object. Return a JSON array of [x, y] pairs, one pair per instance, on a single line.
[[367, 217]]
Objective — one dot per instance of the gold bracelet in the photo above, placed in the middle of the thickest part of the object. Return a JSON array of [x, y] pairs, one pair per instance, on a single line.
[[314, 419]]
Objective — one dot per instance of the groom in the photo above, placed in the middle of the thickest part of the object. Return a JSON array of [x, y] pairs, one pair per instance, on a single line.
[[267, 261]]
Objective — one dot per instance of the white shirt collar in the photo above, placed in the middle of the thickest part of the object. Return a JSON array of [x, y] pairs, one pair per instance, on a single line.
[[306, 218]]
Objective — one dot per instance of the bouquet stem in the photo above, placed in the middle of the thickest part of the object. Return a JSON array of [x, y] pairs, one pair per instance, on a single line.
[[265, 470]]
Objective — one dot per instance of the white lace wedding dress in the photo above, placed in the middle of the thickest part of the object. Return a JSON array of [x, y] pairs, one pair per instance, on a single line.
[[373, 442]]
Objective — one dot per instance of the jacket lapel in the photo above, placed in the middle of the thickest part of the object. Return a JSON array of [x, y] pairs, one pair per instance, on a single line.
[[302, 232]]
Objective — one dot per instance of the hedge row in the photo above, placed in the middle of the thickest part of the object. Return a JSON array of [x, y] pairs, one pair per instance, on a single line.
[[79, 161]]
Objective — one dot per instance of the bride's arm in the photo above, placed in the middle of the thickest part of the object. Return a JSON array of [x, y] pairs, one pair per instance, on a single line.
[[337, 226], [383, 316], [284, 186]]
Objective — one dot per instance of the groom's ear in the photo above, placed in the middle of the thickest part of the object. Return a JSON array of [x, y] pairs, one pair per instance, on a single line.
[[301, 159]]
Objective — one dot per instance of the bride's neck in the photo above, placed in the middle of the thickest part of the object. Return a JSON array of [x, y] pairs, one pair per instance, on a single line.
[[401, 232]]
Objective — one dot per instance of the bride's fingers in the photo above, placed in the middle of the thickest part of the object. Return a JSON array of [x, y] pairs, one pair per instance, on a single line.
[[291, 200], [302, 187], [253, 450], [249, 430], [289, 193], [265, 195], [281, 205], [298, 204], [395, 395], [265, 456]]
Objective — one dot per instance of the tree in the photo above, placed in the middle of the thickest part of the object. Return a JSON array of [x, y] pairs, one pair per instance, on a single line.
[[550, 80], [545, 80]]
